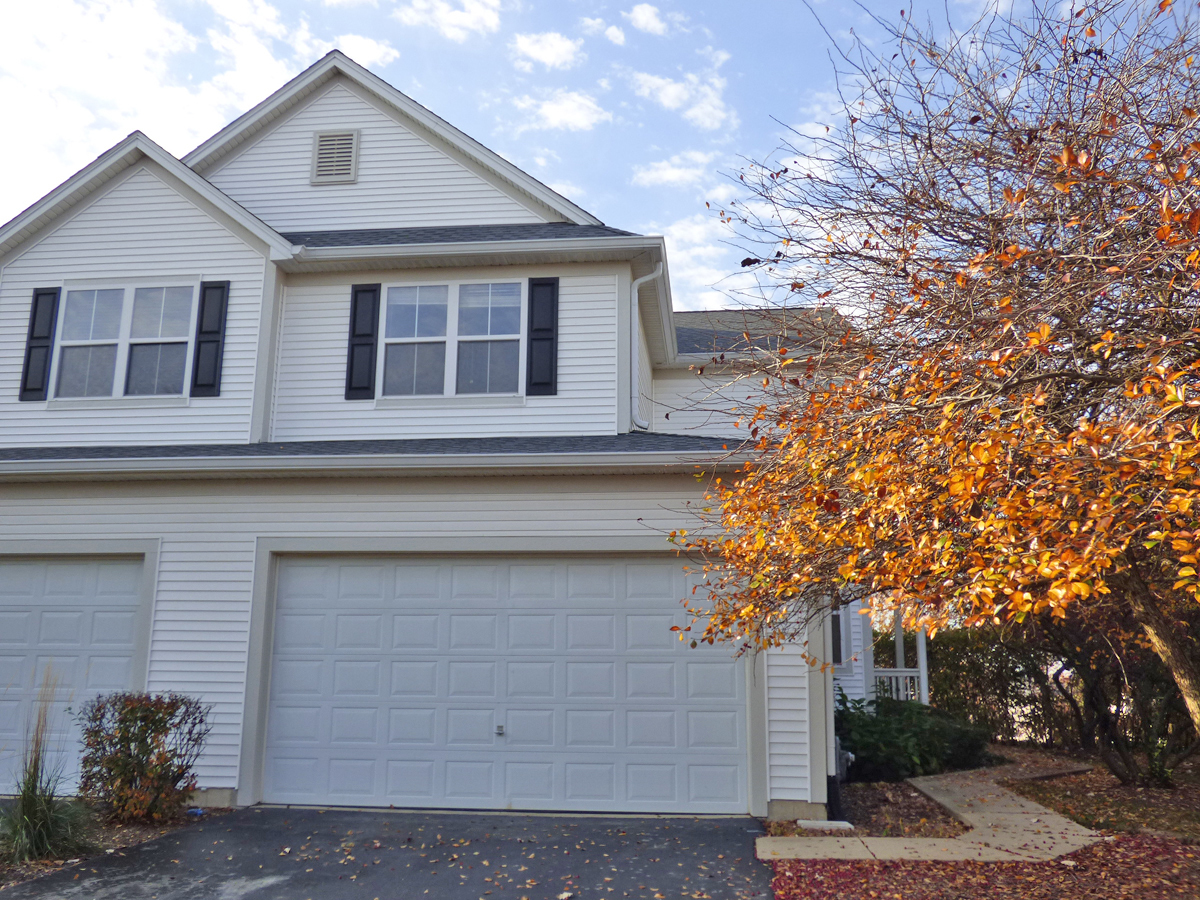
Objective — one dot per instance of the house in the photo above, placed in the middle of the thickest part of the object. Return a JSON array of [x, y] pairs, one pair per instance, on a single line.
[[355, 431]]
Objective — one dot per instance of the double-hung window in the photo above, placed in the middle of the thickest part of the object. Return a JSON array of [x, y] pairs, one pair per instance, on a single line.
[[130, 341], [452, 339]]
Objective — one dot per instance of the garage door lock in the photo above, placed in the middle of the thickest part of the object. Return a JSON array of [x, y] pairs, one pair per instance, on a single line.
[[500, 730]]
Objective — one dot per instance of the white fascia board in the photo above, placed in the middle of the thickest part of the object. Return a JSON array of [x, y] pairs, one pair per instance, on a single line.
[[359, 465], [667, 310], [335, 60], [115, 160], [634, 245]]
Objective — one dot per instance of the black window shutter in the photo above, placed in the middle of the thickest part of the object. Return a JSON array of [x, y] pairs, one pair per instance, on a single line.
[[541, 364], [364, 334], [210, 338], [39, 345]]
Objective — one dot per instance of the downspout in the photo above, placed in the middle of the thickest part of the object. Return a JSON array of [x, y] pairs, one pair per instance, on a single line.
[[635, 394]]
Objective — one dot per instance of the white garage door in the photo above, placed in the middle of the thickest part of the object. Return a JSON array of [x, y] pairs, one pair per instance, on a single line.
[[502, 685], [73, 621]]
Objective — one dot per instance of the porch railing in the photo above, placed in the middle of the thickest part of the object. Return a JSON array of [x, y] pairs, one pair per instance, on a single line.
[[899, 684]]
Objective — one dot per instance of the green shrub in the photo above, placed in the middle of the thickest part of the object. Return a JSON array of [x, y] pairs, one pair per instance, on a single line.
[[139, 750], [39, 823], [894, 739]]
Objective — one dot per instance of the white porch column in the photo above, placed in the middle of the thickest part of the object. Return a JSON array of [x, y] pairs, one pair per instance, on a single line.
[[923, 666], [898, 631]]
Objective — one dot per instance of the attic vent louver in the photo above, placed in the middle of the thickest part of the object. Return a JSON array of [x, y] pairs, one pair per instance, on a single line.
[[335, 157]]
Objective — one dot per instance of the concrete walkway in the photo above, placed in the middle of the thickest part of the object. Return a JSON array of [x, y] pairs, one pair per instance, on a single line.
[[1004, 826]]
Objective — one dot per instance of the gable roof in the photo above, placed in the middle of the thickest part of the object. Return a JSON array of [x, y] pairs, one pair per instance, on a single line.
[[113, 162], [336, 63]]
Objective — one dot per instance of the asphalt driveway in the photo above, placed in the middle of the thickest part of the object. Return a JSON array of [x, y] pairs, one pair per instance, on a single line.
[[306, 854]]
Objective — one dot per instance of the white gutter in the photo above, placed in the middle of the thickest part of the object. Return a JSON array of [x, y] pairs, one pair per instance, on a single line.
[[635, 346]]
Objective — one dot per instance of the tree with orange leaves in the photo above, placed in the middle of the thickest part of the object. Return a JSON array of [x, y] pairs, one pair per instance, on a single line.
[[1008, 221]]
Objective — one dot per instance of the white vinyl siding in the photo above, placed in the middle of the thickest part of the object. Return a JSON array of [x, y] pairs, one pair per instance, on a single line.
[[140, 229], [208, 532], [402, 179], [686, 402], [788, 727], [310, 399], [645, 377], [851, 678]]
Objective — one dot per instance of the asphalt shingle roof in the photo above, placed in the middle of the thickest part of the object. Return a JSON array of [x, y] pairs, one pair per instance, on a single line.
[[451, 234], [634, 442], [724, 330]]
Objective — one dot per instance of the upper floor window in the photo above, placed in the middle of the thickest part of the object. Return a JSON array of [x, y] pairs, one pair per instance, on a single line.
[[150, 340], [457, 338], [129, 342], [452, 339]]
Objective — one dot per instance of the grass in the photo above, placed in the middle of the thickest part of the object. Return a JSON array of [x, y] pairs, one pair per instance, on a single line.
[[39, 823], [1098, 800]]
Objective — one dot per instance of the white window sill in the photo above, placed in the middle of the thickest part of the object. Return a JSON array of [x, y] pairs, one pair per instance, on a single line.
[[116, 402], [467, 401]]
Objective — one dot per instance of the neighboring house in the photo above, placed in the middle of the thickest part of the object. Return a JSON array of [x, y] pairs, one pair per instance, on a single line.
[[353, 430]]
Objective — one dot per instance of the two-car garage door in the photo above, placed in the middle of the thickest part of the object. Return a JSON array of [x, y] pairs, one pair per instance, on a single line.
[[503, 684]]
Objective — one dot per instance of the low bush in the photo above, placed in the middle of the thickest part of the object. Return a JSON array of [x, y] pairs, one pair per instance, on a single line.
[[139, 753], [39, 823], [893, 739]]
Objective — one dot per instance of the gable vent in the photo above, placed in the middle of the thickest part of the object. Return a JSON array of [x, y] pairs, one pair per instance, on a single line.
[[335, 157]]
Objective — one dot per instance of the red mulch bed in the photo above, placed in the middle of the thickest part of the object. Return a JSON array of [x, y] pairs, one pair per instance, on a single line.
[[1124, 868]]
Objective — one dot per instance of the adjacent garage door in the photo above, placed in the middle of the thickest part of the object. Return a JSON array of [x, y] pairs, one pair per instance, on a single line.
[[499, 684], [73, 621]]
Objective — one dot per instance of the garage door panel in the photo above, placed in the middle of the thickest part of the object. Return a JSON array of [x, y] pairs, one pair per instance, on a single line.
[[472, 632], [532, 585], [601, 706], [358, 632], [532, 632], [415, 632]]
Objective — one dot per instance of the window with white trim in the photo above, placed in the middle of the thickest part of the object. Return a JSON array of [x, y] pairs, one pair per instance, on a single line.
[[131, 342], [452, 339]]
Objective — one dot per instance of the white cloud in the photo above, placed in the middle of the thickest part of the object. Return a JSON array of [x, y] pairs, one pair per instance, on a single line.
[[543, 156], [77, 76], [701, 262], [645, 17], [699, 95], [689, 167], [350, 2], [567, 189], [563, 110], [551, 49], [366, 51], [454, 19], [663, 91], [597, 26]]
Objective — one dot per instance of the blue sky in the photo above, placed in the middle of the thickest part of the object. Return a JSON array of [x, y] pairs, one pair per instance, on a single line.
[[636, 111]]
